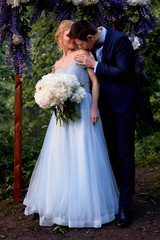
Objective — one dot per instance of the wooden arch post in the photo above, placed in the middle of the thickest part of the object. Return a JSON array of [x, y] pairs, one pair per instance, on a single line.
[[17, 137]]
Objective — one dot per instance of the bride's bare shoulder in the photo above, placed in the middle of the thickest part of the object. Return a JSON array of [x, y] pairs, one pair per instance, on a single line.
[[82, 51], [58, 61], [58, 64]]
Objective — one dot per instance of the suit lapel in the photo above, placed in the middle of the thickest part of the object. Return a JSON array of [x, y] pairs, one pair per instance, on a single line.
[[107, 40]]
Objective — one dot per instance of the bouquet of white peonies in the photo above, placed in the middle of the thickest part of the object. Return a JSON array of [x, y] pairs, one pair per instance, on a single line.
[[61, 91]]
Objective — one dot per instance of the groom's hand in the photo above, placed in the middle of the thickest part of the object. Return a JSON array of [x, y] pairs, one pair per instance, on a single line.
[[85, 60]]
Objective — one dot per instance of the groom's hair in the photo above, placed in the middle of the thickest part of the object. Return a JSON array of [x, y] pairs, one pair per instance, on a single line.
[[81, 29]]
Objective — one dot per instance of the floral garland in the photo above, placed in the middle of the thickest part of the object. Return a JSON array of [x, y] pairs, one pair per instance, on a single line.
[[134, 17]]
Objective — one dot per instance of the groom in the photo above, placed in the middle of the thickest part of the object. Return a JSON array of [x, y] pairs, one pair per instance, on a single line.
[[112, 59]]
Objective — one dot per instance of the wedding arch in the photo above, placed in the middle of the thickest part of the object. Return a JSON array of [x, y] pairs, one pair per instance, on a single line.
[[134, 17]]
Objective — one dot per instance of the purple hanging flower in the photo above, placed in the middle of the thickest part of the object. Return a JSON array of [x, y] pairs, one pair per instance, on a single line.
[[134, 17]]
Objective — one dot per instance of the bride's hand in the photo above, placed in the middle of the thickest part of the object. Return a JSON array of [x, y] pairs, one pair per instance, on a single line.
[[53, 69], [94, 115], [56, 66]]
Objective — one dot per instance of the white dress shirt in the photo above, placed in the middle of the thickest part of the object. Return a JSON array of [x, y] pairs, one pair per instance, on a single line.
[[99, 50]]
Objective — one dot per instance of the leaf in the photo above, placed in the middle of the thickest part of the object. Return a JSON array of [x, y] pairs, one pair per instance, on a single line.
[[153, 202], [143, 193], [142, 201], [59, 229]]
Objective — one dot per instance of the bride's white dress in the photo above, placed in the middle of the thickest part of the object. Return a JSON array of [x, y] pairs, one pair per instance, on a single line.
[[72, 183]]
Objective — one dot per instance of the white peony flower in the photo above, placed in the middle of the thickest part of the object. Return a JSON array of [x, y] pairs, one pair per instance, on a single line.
[[41, 84], [44, 99], [135, 43], [55, 89], [72, 82], [79, 95], [137, 2]]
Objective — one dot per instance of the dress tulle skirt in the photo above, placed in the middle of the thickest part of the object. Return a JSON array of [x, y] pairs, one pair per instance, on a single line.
[[72, 183]]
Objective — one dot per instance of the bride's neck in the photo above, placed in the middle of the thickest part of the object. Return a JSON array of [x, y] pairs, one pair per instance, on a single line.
[[66, 53]]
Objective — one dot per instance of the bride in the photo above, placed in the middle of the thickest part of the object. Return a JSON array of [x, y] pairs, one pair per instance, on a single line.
[[72, 183]]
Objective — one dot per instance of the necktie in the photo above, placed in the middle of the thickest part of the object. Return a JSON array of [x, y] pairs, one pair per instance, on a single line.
[[99, 45], [95, 49]]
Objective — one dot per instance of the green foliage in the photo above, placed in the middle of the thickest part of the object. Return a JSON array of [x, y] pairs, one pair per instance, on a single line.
[[149, 121], [68, 114], [6, 155], [6, 162], [59, 229], [35, 120], [148, 150], [7, 124], [6, 90], [147, 147], [30, 151]]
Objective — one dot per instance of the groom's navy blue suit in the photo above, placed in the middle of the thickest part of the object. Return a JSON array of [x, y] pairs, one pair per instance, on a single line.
[[118, 106]]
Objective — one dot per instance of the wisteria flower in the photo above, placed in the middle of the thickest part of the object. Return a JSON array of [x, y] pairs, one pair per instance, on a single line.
[[134, 17]]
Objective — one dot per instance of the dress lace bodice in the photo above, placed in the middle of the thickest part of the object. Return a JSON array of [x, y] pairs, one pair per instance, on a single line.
[[79, 71]]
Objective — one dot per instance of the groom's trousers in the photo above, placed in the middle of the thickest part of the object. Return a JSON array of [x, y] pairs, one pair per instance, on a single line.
[[119, 133]]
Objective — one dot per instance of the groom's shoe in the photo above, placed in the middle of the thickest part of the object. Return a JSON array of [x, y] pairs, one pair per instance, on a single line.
[[35, 216], [123, 219]]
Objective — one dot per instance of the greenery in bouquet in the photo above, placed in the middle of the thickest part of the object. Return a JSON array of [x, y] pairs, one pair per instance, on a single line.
[[70, 113], [63, 92]]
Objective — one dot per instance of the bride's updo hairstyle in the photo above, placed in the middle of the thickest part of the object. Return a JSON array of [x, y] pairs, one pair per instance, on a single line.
[[64, 25]]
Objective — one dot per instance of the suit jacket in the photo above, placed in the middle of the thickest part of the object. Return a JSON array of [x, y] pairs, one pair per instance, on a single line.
[[116, 73]]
